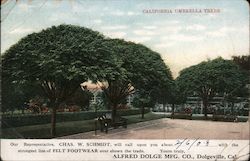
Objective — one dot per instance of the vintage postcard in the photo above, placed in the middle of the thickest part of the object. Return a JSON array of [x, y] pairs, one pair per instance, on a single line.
[[147, 80]]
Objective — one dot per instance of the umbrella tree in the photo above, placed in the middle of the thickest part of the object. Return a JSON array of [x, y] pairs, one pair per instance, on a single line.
[[59, 59]]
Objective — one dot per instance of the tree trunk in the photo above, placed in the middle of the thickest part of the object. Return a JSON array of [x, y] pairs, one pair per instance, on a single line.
[[114, 109], [232, 108], [205, 107], [164, 107], [53, 121], [142, 112], [172, 114]]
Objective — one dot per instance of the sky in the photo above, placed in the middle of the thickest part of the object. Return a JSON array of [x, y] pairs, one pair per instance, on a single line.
[[183, 32]]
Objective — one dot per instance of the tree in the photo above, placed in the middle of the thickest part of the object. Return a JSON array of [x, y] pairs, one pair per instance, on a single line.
[[142, 70], [59, 59], [176, 97], [211, 77], [15, 95], [80, 98], [164, 93], [243, 61], [141, 100], [115, 93]]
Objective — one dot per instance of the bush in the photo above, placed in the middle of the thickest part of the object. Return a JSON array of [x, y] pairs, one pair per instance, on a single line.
[[182, 116], [225, 118], [26, 120]]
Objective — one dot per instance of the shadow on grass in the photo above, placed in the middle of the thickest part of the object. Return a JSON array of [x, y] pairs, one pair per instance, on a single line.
[[74, 127], [65, 128]]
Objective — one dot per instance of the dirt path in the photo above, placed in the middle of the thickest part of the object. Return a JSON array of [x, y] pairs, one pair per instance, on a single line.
[[173, 129]]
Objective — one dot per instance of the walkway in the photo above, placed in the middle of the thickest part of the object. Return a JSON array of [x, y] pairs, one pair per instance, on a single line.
[[173, 129]]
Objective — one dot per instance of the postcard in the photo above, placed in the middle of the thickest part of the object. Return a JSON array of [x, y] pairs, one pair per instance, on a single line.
[[125, 80]]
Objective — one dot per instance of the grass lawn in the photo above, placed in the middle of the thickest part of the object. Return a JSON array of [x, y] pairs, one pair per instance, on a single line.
[[65, 128]]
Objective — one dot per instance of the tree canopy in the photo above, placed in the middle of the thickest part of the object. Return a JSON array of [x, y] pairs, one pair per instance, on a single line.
[[65, 52], [143, 70], [59, 59], [211, 77], [243, 61]]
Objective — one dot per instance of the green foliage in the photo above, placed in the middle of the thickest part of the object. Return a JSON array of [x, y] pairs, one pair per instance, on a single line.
[[143, 70], [65, 128], [176, 96], [212, 77], [80, 98], [143, 100], [59, 58], [15, 95], [25, 120], [243, 61]]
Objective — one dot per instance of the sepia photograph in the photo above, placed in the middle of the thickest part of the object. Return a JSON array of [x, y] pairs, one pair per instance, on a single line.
[[145, 74]]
